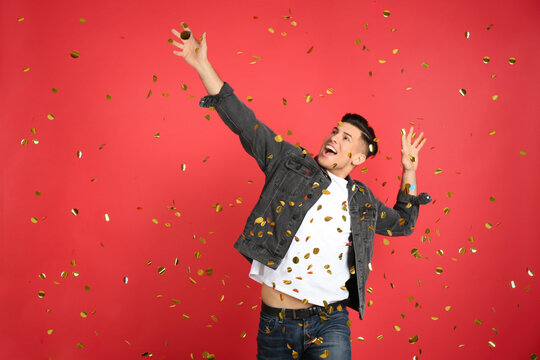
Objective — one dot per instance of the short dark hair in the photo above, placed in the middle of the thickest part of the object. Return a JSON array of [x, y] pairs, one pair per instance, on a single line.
[[368, 134]]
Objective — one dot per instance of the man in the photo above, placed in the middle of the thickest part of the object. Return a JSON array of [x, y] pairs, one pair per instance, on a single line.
[[310, 235]]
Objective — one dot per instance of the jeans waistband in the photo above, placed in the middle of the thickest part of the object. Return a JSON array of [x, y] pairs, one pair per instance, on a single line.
[[303, 313]]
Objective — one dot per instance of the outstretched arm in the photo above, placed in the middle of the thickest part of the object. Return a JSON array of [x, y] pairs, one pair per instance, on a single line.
[[195, 54]]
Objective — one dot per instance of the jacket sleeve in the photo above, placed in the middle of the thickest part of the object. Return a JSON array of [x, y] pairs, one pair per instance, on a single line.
[[401, 219], [257, 139]]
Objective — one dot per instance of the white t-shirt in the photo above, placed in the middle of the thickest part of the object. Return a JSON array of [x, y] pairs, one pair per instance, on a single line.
[[315, 267]]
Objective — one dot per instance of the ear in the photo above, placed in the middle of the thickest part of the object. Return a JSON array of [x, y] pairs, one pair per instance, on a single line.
[[358, 159]]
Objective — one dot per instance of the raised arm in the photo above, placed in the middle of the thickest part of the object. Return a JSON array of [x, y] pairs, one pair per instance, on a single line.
[[409, 160], [195, 54], [257, 139], [401, 219]]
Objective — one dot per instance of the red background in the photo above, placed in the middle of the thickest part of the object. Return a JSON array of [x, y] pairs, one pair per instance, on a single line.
[[475, 140]]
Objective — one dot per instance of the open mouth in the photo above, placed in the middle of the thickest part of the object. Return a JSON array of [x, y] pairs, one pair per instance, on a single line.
[[329, 150]]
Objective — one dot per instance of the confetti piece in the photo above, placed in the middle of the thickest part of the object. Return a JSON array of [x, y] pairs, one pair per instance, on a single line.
[[491, 344], [34, 219], [486, 59], [125, 280], [488, 225], [530, 272], [463, 92], [310, 50], [75, 212], [397, 328], [309, 98], [84, 314], [41, 294], [325, 354], [413, 339], [439, 270], [386, 13], [75, 54], [492, 132], [522, 153], [438, 171], [512, 61], [495, 97], [80, 345], [79, 154], [278, 138], [513, 284], [425, 65]]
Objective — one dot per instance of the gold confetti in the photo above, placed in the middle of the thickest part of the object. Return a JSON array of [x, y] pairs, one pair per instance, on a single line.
[[41, 294], [325, 354], [386, 13], [438, 171], [489, 225], [530, 272], [513, 284], [327, 218], [75, 212], [446, 210], [161, 270], [219, 208], [79, 154], [495, 97], [439, 270], [34, 219], [522, 153], [463, 92], [486, 59], [278, 138], [397, 328], [395, 51], [413, 339], [492, 132], [107, 218], [125, 280], [512, 60], [50, 331], [491, 344], [185, 35], [467, 34], [80, 345], [74, 54], [84, 314], [425, 65], [309, 98]]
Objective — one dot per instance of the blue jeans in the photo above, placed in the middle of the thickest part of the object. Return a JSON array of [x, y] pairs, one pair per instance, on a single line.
[[304, 339]]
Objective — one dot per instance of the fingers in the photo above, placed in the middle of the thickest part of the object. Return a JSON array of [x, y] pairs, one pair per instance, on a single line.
[[175, 32], [421, 143], [178, 45], [418, 139]]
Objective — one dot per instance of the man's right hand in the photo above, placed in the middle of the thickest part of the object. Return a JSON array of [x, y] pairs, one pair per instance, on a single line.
[[193, 51]]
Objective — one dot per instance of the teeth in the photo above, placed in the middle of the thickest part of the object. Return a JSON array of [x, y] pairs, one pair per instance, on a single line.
[[331, 148]]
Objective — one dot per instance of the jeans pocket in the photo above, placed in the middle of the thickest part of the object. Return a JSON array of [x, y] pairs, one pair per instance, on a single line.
[[267, 324]]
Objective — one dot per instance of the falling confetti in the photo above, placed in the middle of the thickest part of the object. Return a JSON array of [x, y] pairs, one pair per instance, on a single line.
[[75, 54], [386, 13], [463, 92]]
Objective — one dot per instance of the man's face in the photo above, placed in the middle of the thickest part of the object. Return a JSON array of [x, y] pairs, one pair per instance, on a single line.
[[342, 150]]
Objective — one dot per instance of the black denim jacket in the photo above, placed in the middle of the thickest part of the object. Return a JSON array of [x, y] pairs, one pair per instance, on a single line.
[[294, 182]]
